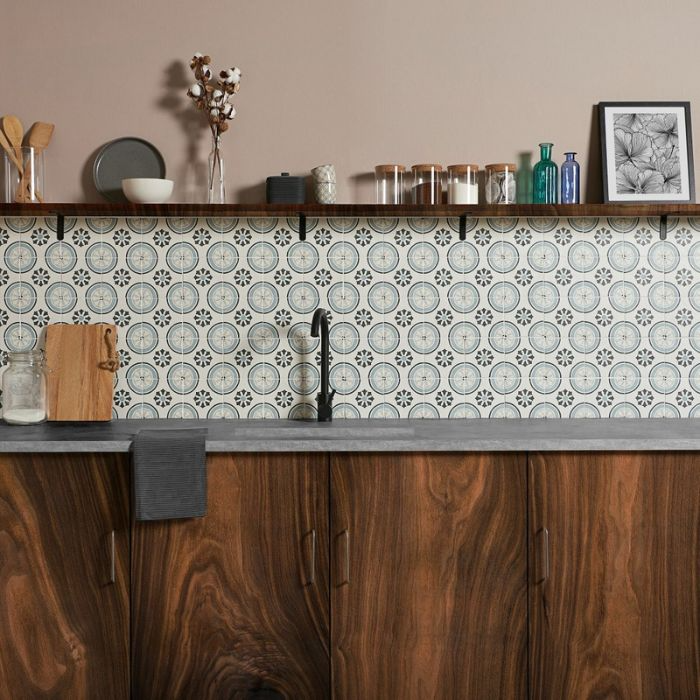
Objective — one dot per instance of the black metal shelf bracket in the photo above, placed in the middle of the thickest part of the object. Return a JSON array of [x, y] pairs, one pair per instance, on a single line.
[[663, 226], [60, 226], [463, 226], [302, 227]]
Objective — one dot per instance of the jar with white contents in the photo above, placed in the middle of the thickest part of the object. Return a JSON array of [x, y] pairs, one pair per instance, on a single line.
[[24, 389], [462, 185]]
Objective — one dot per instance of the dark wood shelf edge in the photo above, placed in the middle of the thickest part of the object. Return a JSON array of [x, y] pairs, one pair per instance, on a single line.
[[348, 210]]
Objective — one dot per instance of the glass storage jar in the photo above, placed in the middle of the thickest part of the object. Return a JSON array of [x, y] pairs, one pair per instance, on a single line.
[[24, 389], [462, 187], [389, 183], [500, 183], [427, 183]]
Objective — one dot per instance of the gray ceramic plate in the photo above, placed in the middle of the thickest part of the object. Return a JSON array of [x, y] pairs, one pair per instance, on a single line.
[[123, 158]]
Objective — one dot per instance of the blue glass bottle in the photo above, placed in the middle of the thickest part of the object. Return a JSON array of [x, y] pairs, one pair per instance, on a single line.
[[544, 177], [570, 180]]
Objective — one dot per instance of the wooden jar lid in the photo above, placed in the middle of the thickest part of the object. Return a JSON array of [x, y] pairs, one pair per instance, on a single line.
[[389, 168], [462, 168], [426, 168], [500, 166]]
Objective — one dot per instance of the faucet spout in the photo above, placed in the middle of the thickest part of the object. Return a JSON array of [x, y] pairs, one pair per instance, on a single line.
[[324, 399]]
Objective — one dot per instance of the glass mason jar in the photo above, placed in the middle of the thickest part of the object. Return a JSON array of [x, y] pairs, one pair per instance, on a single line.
[[389, 183], [24, 389], [462, 186], [427, 183], [500, 183], [544, 177]]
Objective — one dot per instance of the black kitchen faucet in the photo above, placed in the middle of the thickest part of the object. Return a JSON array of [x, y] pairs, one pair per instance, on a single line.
[[324, 399]]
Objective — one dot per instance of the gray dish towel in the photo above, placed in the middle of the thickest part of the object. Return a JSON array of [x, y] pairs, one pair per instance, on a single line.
[[169, 474]]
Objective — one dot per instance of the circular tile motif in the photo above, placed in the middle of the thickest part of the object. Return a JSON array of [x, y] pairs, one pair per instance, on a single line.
[[222, 257], [545, 377], [182, 338], [463, 257], [665, 297], [423, 338], [584, 410], [545, 410], [262, 257], [424, 378], [60, 297], [141, 224], [584, 337], [142, 411], [544, 337], [263, 297], [302, 297], [383, 257], [543, 224], [623, 256], [260, 224], [584, 297], [624, 337], [694, 337], [464, 337], [142, 378], [20, 337], [101, 257], [222, 411], [694, 256], [181, 224], [694, 378], [225, 224], [504, 378], [222, 378], [624, 409], [222, 297], [382, 224], [424, 297], [300, 339], [664, 337], [423, 257], [624, 377], [503, 297], [463, 298], [664, 410], [584, 377], [543, 256], [343, 297], [503, 257], [141, 298], [20, 224], [182, 411], [101, 224], [344, 337], [263, 338], [583, 256], [464, 378], [383, 411], [383, 297], [61, 257], [20, 257], [344, 378], [543, 296], [141, 258], [384, 378], [101, 298], [624, 296], [664, 256], [465, 410], [422, 224], [223, 337], [304, 379], [141, 338], [183, 297], [343, 257], [623, 224], [383, 338], [182, 257], [504, 337], [183, 378], [664, 378]]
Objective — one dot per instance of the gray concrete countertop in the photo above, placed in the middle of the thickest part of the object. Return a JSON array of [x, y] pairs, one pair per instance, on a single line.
[[475, 435]]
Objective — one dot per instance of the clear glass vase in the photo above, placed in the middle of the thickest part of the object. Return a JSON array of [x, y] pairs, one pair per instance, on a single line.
[[217, 186], [544, 177]]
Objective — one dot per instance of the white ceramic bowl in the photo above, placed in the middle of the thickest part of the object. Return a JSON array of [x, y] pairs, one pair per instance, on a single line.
[[147, 190]]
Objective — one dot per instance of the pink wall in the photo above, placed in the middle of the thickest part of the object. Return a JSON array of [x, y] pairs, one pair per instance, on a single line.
[[354, 83]]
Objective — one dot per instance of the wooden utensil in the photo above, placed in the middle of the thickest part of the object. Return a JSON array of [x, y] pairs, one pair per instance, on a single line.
[[14, 131], [38, 137], [81, 361], [7, 147]]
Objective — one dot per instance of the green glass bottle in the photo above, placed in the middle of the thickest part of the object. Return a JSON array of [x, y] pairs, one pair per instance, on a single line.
[[544, 177]]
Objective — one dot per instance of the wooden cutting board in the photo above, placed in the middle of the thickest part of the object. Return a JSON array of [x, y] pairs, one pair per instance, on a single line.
[[81, 362]]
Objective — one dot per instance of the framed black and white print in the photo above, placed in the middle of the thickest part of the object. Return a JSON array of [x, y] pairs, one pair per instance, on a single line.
[[647, 152]]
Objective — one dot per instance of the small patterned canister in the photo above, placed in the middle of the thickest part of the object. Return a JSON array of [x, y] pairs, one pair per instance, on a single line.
[[500, 183]]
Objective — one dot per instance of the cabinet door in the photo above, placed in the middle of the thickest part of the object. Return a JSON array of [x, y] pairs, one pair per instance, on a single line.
[[64, 609], [235, 604], [429, 576], [615, 611]]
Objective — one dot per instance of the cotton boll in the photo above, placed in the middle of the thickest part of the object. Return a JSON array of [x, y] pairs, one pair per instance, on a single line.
[[217, 94], [232, 114], [214, 112], [196, 90], [198, 54]]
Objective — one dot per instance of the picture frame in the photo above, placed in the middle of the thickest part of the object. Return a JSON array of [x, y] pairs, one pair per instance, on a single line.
[[647, 152]]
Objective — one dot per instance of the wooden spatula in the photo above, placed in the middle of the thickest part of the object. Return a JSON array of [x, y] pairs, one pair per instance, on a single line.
[[38, 137], [14, 131]]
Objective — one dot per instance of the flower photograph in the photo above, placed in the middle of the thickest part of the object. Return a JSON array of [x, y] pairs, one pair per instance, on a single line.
[[647, 152]]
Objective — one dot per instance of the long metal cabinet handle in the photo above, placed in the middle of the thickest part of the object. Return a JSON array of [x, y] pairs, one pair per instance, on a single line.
[[312, 578], [346, 534], [113, 559], [545, 535]]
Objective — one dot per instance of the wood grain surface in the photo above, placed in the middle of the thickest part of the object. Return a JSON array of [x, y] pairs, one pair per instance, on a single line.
[[224, 606], [64, 628], [436, 601], [79, 386], [177, 209], [619, 615]]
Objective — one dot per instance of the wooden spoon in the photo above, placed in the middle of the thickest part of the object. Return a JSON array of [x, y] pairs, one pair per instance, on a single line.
[[14, 131], [38, 138], [7, 146]]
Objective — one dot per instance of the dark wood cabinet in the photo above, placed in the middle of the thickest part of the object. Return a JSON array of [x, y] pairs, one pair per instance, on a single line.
[[236, 604], [429, 576], [64, 578], [615, 575]]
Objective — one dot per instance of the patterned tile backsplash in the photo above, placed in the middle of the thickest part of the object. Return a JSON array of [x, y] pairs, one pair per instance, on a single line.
[[526, 317]]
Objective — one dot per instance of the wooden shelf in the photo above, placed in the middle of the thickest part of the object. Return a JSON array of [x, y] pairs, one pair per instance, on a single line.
[[348, 210]]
